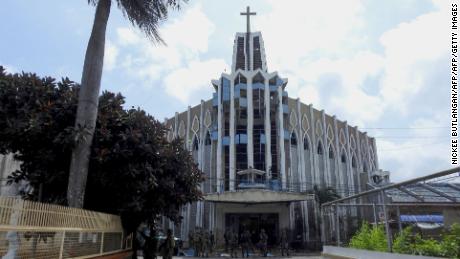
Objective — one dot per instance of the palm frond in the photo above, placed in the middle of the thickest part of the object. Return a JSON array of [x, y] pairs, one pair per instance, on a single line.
[[148, 14]]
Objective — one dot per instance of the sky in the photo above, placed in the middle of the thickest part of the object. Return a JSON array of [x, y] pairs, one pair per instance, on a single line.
[[380, 65]]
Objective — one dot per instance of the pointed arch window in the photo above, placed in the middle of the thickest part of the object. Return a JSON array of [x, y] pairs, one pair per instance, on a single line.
[[353, 162], [207, 140], [365, 167], [319, 150], [195, 143], [305, 144], [331, 152], [343, 158], [293, 139]]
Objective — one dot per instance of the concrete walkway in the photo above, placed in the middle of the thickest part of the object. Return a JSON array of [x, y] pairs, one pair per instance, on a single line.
[[255, 257]]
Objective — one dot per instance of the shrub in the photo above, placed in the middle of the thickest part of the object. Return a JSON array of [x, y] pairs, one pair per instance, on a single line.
[[450, 244], [404, 243], [428, 247], [369, 238]]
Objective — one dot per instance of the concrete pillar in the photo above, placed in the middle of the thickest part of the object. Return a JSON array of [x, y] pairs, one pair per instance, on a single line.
[[219, 179], [232, 137], [250, 125], [281, 137], [300, 151], [327, 171], [268, 149], [338, 163]]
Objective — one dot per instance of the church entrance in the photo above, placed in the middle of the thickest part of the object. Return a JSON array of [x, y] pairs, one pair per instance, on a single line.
[[254, 222]]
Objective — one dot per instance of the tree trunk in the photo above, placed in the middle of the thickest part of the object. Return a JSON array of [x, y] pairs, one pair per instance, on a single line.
[[88, 101]]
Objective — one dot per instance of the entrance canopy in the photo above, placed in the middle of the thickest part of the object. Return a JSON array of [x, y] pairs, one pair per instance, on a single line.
[[257, 196]]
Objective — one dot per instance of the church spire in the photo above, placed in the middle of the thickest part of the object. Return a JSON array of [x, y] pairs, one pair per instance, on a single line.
[[248, 52], [248, 14], [248, 34]]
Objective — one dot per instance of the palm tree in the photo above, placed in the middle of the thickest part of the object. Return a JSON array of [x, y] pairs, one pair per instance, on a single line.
[[144, 14]]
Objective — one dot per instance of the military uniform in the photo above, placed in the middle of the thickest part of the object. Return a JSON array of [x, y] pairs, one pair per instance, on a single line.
[[245, 243], [233, 239], [169, 245], [263, 240], [284, 243]]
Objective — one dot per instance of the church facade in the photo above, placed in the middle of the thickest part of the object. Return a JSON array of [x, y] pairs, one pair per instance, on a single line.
[[264, 153]]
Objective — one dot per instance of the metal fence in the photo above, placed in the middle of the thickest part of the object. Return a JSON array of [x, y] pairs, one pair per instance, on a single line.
[[430, 203], [210, 185], [37, 230]]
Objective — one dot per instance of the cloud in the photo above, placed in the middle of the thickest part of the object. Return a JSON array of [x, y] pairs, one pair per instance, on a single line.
[[110, 55], [423, 40], [9, 68], [184, 82], [423, 153], [322, 27], [186, 38]]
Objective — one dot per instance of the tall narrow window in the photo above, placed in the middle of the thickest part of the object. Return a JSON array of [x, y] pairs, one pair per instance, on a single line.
[[331, 153], [343, 158], [320, 148], [305, 144], [353, 162], [207, 141], [293, 139], [195, 143], [365, 167]]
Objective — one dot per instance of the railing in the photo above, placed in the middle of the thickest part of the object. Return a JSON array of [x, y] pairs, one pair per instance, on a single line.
[[37, 230], [210, 185], [419, 200]]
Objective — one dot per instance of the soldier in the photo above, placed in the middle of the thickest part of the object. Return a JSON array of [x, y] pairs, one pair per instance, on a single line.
[[150, 244], [263, 239], [227, 239], [284, 243], [169, 245], [197, 242], [205, 240], [245, 243], [233, 239], [191, 241], [211, 242]]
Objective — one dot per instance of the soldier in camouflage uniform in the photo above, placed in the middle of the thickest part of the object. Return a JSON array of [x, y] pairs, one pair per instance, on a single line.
[[233, 240]]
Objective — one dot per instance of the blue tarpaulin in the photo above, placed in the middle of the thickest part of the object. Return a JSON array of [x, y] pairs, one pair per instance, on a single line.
[[422, 218]]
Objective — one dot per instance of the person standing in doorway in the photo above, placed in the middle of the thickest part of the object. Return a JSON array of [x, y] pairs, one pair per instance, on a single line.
[[245, 243], [284, 243], [233, 239], [263, 240]]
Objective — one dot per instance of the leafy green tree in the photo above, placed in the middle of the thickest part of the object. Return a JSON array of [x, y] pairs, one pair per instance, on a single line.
[[144, 14], [325, 194], [134, 171]]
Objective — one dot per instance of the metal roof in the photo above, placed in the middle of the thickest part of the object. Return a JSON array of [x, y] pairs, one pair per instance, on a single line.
[[426, 192]]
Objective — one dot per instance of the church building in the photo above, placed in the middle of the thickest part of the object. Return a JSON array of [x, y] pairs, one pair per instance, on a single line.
[[264, 153]]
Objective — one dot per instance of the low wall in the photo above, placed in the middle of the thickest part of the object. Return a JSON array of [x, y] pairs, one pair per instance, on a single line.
[[335, 252]]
